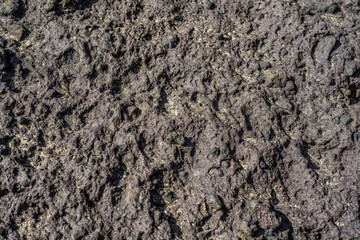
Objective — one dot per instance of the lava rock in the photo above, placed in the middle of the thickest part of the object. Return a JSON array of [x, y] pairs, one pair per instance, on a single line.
[[170, 41], [324, 48]]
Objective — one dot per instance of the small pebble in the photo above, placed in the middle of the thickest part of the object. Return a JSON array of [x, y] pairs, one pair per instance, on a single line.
[[275, 28], [213, 202], [307, 140], [265, 65], [10, 7], [305, 9], [262, 164], [346, 119], [209, 5], [284, 141], [175, 138], [356, 136], [169, 197], [50, 5], [170, 41], [247, 227], [324, 48], [216, 172], [350, 68], [50, 94], [214, 152], [17, 32], [225, 164], [99, 146]]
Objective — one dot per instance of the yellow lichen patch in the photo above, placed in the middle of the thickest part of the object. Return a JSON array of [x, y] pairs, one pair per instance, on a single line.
[[173, 106], [24, 229], [335, 20]]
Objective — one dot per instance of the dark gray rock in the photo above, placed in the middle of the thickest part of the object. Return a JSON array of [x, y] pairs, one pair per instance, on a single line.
[[346, 119], [324, 48]]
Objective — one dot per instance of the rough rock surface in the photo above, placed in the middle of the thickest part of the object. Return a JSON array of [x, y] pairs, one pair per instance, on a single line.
[[169, 119]]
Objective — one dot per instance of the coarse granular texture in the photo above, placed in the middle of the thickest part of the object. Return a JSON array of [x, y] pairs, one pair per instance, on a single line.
[[179, 119]]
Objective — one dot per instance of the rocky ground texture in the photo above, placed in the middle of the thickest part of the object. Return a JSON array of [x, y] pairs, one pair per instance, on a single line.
[[179, 119]]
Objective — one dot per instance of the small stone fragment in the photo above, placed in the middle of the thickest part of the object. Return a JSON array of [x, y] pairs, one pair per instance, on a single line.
[[170, 41], [213, 203], [346, 119], [50, 5], [169, 197], [175, 138], [17, 33], [3, 61], [356, 136], [99, 147], [323, 49], [350, 68], [216, 172], [50, 94], [245, 227], [209, 5], [275, 79], [3, 42], [225, 164], [265, 65], [214, 152], [133, 112], [283, 52], [10, 7], [275, 27]]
